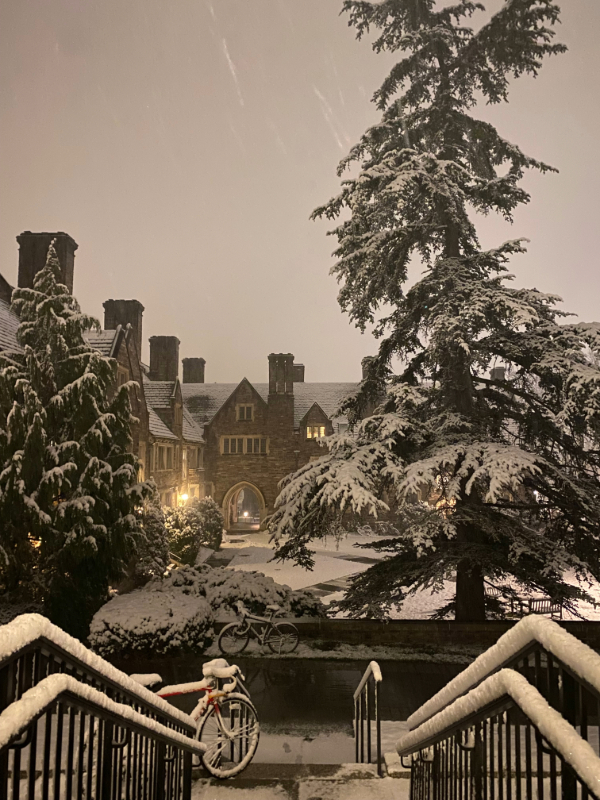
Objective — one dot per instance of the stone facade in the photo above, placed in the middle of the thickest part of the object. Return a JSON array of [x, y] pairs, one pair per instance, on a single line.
[[234, 442], [255, 435]]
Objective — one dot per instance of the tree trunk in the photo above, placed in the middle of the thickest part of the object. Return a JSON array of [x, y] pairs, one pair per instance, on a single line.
[[470, 594]]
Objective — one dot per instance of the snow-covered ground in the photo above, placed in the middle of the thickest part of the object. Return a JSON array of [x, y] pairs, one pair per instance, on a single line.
[[335, 565]]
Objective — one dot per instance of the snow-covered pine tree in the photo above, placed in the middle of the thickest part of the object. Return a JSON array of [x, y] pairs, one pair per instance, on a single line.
[[68, 479], [511, 455]]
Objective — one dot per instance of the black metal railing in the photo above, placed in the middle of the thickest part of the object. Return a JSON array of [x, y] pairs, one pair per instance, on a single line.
[[363, 706], [105, 738], [499, 755]]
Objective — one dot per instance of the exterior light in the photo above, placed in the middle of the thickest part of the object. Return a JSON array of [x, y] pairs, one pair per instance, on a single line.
[[184, 497], [245, 513]]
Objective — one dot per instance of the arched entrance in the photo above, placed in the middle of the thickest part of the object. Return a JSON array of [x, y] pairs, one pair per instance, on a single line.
[[243, 508]]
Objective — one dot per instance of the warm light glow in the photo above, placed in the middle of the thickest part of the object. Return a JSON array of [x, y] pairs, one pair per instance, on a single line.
[[184, 497], [245, 513]]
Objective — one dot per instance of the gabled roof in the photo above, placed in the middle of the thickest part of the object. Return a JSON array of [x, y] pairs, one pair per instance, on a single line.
[[104, 341], [191, 431], [157, 427], [9, 323], [159, 393], [203, 400]]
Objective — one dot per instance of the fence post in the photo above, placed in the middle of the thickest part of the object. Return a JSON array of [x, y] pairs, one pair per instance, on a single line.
[[106, 754], [159, 770], [187, 775]]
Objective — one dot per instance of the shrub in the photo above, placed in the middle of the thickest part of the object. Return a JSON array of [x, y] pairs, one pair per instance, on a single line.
[[198, 524], [167, 615], [175, 613]]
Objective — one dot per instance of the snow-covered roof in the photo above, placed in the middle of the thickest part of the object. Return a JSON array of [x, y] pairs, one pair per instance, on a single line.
[[103, 341], [159, 393], [203, 400], [157, 427], [9, 322], [191, 431]]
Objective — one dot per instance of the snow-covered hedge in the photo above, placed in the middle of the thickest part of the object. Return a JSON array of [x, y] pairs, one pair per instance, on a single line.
[[164, 616], [176, 613]]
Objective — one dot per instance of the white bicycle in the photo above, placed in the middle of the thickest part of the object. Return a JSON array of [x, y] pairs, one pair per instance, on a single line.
[[226, 720]]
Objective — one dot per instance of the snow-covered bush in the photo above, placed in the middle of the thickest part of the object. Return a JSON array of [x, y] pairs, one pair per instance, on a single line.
[[225, 587], [175, 613], [198, 524], [165, 616], [152, 556]]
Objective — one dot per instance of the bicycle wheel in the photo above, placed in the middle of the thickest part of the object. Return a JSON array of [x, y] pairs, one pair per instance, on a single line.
[[233, 638], [231, 739], [283, 638]]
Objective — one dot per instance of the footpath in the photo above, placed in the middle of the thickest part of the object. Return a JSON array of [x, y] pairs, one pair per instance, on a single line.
[[305, 782]]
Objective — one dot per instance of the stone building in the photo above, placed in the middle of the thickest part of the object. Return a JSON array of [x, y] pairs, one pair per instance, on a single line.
[[234, 442], [255, 434]]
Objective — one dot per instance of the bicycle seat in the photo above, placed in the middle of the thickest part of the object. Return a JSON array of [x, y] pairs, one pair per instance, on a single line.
[[219, 668], [274, 608]]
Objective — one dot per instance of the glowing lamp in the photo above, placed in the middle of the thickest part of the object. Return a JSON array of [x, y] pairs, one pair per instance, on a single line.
[[245, 513], [184, 497]]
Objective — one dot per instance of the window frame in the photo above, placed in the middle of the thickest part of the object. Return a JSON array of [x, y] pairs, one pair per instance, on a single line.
[[245, 407], [230, 445]]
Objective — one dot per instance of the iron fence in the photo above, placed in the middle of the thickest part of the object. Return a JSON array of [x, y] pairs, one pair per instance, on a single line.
[[77, 747], [363, 707], [500, 756]]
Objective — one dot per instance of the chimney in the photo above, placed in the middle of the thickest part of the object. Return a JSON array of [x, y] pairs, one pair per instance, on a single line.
[[497, 373], [125, 312], [298, 373], [281, 373], [164, 358], [33, 251], [193, 370], [365, 363]]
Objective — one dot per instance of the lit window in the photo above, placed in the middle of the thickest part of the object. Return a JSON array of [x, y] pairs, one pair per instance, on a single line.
[[315, 431]]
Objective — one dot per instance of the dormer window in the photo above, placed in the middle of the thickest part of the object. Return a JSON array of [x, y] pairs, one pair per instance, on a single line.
[[245, 412], [315, 431]]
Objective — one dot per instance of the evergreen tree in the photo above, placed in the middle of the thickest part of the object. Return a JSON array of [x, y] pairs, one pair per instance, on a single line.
[[510, 456], [151, 559], [195, 525], [68, 481]]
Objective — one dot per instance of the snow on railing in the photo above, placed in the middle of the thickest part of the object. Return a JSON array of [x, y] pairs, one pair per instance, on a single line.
[[20, 714], [374, 670], [574, 654], [27, 628], [362, 703], [553, 727]]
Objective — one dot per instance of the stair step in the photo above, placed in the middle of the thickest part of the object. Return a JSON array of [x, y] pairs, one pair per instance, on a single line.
[[303, 782]]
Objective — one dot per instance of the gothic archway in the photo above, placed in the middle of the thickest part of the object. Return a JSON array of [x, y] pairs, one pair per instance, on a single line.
[[244, 508]]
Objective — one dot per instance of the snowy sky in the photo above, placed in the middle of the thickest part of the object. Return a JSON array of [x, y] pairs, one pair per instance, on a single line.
[[183, 144]]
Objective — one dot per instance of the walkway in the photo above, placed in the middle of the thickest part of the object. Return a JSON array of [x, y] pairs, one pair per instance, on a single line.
[[291, 782]]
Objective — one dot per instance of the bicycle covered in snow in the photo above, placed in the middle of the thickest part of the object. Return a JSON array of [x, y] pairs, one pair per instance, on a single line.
[[281, 637], [225, 717]]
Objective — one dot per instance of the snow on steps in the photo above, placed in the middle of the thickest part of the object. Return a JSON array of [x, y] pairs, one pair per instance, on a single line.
[[304, 782]]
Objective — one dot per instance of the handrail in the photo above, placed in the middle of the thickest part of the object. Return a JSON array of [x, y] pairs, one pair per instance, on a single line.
[[372, 671], [28, 629], [576, 655], [507, 683], [15, 719]]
